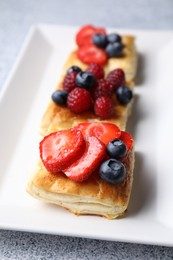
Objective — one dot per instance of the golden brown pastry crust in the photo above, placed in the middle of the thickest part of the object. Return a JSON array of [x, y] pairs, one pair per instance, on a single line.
[[103, 198]]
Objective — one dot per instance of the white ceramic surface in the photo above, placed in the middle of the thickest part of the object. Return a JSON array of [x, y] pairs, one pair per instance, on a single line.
[[23, 101]]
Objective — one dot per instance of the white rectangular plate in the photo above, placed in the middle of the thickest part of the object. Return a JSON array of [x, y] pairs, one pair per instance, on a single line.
[[23, 100]]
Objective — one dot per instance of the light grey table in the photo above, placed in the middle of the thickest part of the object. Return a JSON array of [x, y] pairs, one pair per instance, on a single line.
[[15, 19]]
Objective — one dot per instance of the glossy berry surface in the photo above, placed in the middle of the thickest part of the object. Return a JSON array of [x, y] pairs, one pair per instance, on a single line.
[[85, 80], [59, 149], [69, 82], [100, 40], [59, 97], [116, 78], [90, 159], [103, 131], [74, 68], [112, 171], [116, 149], [90, 53], [127, 139], [124, 95], [85, 34], [104, 107], [79, 100], [113, 37], [114, 49], [96, 70]]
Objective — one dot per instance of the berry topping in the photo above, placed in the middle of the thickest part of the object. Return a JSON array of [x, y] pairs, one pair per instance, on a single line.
[[116, 149], [100, 40], [112, 171], [85, 79], [104, 107], [114, 49], [127, 139], [88, 162], [103, 88], [59, 97], [116, 78], [60, 149], [113, 37], [103, 131], [74, 68], [84, 36], [79, 100], [69, 82], [90, 53], [124, 95], [96, 70]]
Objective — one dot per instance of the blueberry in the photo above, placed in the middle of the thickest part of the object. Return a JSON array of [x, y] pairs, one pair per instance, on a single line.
[[114, 49], [74, 68], [116, 149], [112, 171], [113, 37], [100, 40], [85, 80], [59, 97], [124, 95]]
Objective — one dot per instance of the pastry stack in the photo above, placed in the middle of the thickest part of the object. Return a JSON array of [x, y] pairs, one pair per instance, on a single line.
[[86, 156]]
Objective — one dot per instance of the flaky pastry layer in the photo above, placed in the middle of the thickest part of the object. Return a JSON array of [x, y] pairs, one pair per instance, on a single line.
[[93, 196]]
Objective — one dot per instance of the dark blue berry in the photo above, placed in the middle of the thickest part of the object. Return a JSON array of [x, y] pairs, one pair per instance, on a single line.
[[113, 37], [124, 95], [59, 97], [116, 149], [100, 40], [85, 80], [112, 171], [114, 49], [74, 68]]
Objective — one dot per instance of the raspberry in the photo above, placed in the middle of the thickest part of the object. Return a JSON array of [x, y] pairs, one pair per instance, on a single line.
[[116, 78], [103, 88], [96, 70], [69, 82], [79, 100], [103, 107]]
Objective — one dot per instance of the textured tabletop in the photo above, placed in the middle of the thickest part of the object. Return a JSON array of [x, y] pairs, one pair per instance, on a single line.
[[16, 17]]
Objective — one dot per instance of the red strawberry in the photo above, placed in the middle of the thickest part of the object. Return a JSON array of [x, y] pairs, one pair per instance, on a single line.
[[90, 53], [127, 139], [106, 132], [91, 158], [85, 34], [96, 70], [79, 100], [104, 107], [69, 82], [60, 149]]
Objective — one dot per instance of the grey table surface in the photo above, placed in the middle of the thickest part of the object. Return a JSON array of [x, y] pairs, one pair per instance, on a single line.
[[16, 17]]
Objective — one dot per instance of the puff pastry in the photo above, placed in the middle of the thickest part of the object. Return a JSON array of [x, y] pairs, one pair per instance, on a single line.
[[93, 196], [57, 118]]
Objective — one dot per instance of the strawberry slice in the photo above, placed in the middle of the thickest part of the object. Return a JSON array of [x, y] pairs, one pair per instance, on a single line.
[[85, 34], [93, 155], [127, 139], [60, 149], [90, 53], [106, 132]]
